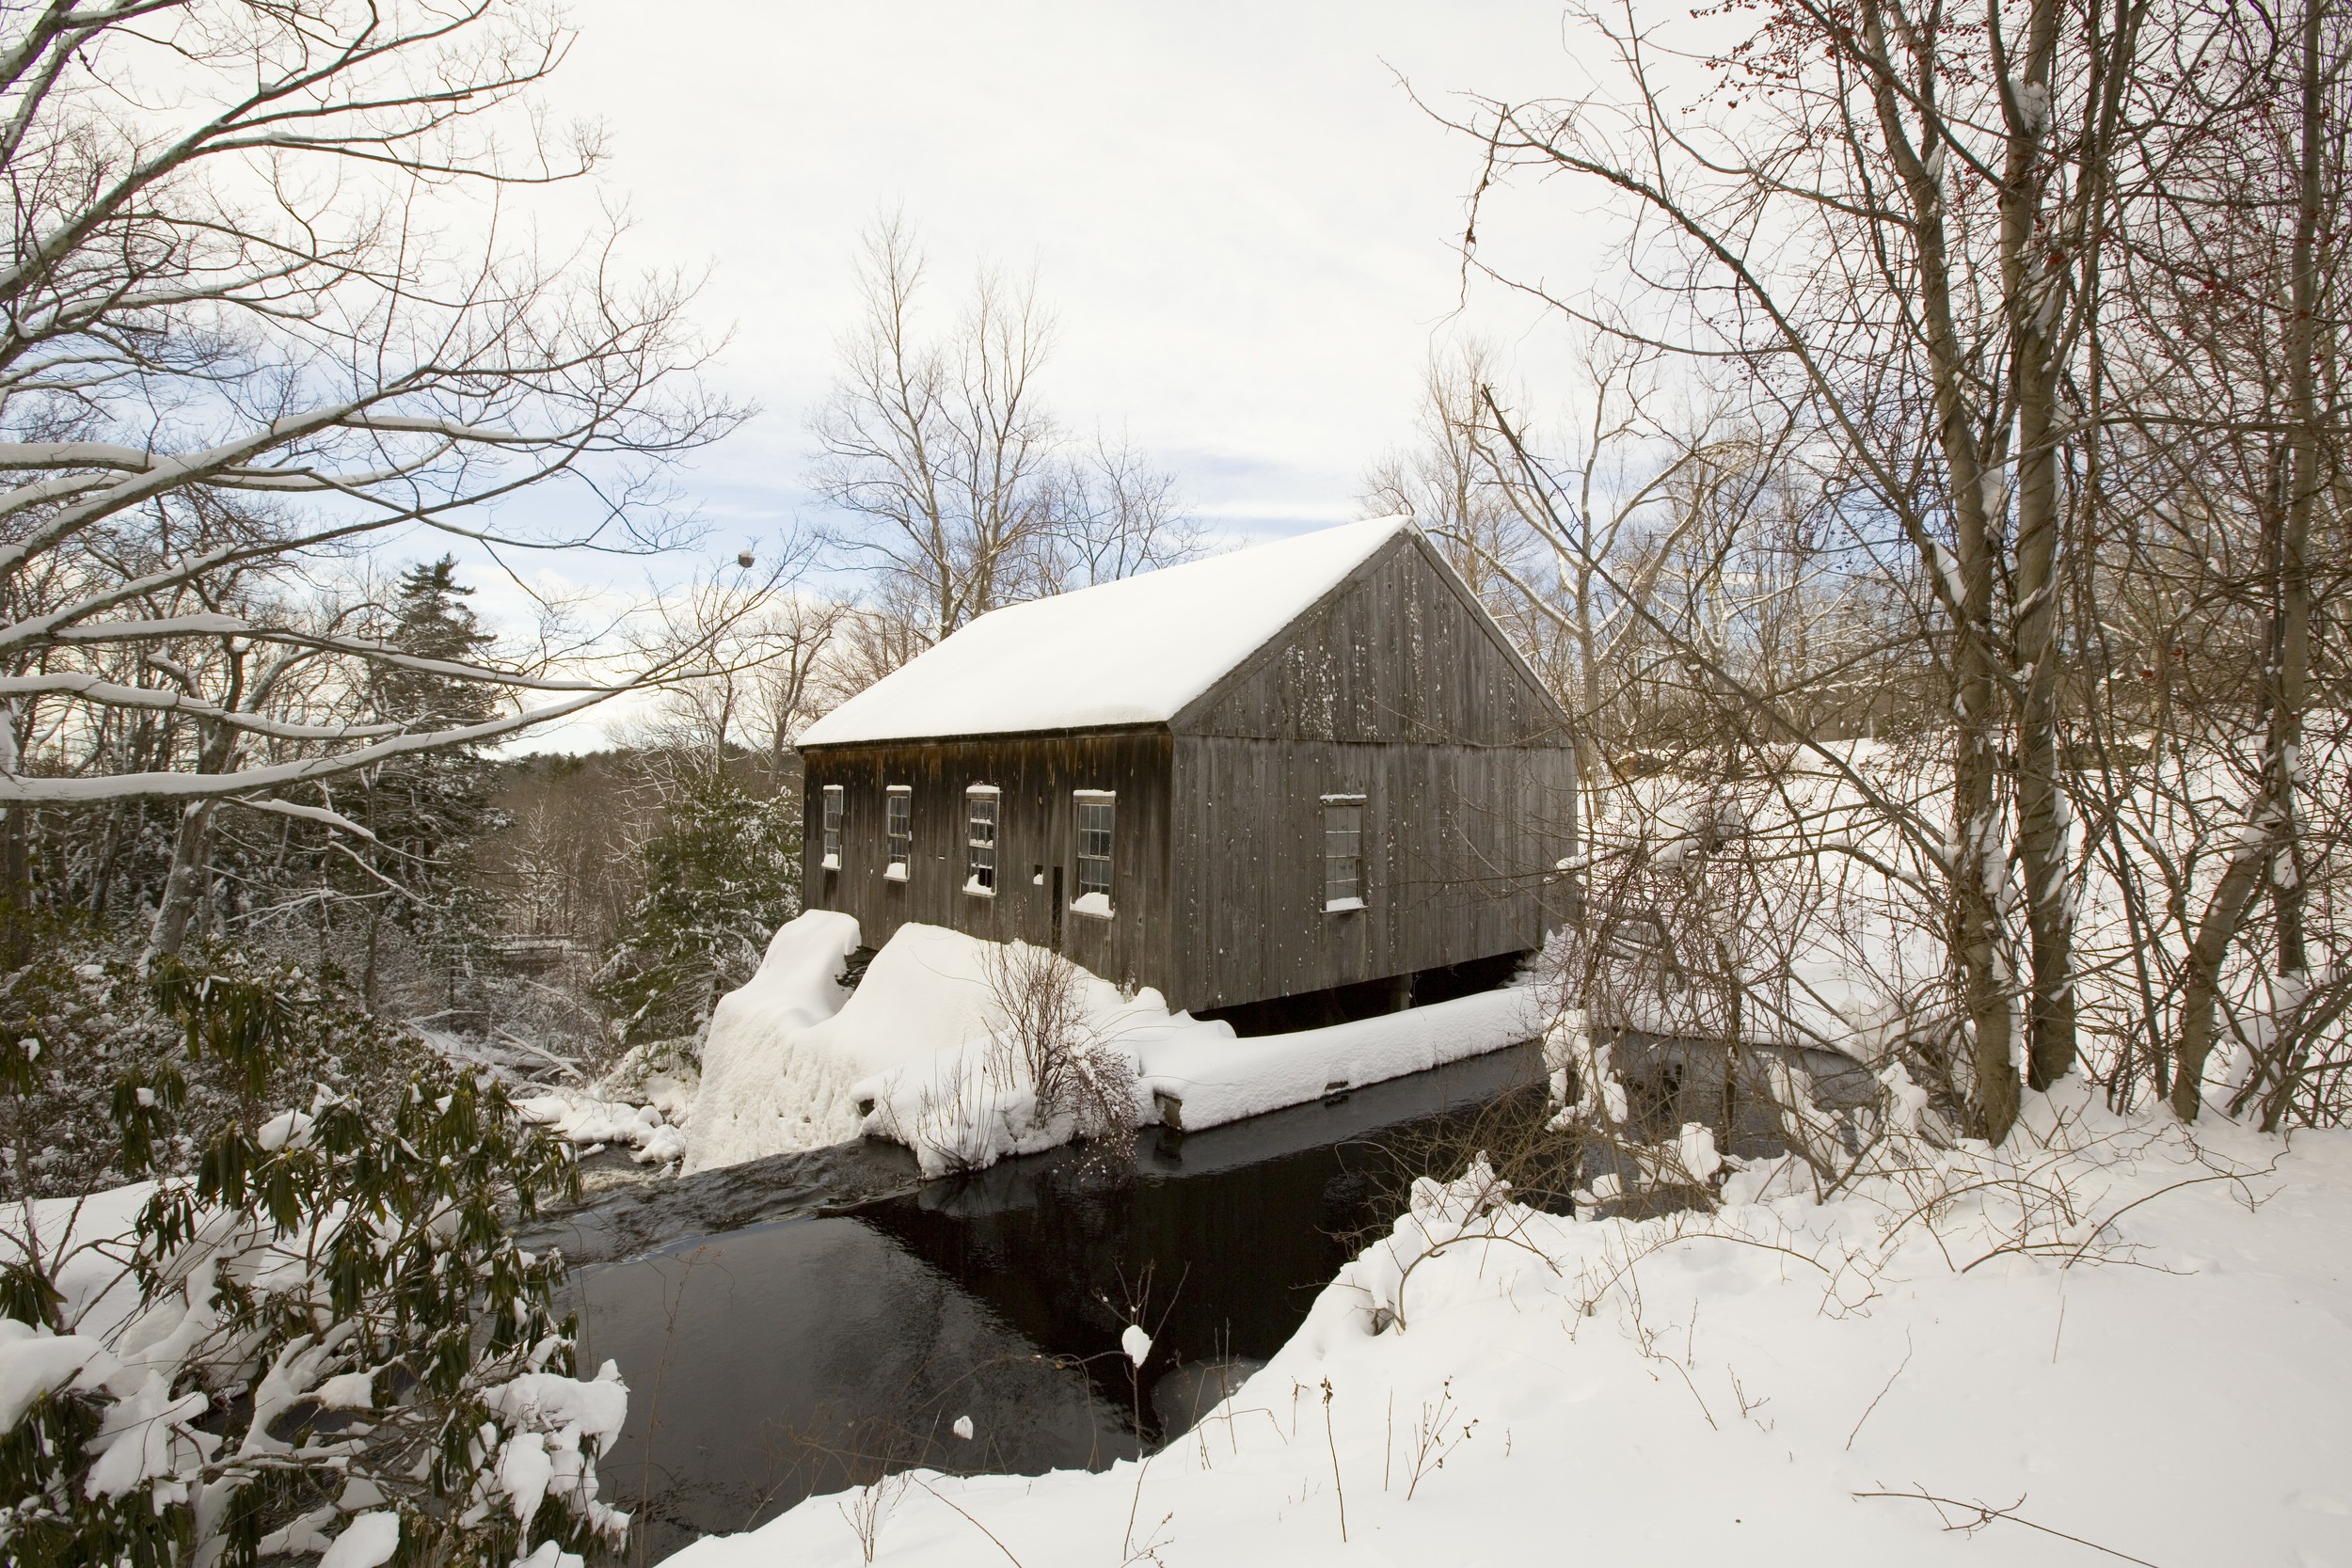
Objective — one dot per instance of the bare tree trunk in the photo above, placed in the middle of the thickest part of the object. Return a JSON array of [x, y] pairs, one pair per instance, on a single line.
[[1979, 869], [2200, 991], [16, 881], [191, 849], [1979, 858], [190, 854], [367, 977], [16, 889], [2271, 833], [2043, 846], [2291, 650]]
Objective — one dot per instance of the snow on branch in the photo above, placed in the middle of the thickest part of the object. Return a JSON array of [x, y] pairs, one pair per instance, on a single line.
[[18, 789], [265, 379], [114, 694], [309, 814], [210, 625]]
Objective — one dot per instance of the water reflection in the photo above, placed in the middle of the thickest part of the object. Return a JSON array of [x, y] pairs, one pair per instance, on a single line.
[[806, 1324], [806, 1355]]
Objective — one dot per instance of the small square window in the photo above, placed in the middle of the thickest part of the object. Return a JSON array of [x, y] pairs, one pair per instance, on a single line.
[[980, 840], [830, 843], [898, 830], [1096, 813], [1342, 854]]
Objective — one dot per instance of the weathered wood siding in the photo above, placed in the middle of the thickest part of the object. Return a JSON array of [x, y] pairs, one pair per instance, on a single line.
[[1459, 846], [1398, 688], [1036, 829], [1399, 654]]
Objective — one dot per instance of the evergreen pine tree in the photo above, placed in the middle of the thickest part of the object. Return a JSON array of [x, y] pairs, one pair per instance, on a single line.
[[722, 875], [428, 810], [432, 620]]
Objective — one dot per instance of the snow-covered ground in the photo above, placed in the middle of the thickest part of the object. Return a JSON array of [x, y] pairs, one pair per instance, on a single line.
[[1792, 906], [794, 1063], [631, 1108], [2112, 1342]]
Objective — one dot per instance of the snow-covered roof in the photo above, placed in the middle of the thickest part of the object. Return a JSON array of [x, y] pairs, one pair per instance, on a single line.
[[1134, 652]]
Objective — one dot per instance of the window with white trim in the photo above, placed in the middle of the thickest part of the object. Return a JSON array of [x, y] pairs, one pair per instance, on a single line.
[[899, 830], [980, 838], [831, 842], [1096, 814], [1342, 852]]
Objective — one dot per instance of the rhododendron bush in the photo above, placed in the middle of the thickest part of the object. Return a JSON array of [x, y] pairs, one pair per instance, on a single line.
[[323, 1340]]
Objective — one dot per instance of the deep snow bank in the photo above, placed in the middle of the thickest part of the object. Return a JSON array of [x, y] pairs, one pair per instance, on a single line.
[[756, 1093], [2107, 1330], [762, 1092], [943, 1082], [788, 1064]]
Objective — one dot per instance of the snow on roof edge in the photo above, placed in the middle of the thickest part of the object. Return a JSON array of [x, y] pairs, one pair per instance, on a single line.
[[1120, 654]]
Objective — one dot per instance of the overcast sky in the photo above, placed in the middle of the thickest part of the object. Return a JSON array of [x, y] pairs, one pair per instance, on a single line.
[[1246, 226]]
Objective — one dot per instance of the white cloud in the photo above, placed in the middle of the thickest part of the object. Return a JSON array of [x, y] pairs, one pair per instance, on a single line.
[[1246, 225]]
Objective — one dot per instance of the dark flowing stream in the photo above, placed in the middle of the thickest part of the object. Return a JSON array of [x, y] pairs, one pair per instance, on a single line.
[[807, 1323]]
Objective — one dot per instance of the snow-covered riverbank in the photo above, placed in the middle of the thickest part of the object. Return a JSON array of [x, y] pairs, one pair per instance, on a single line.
[[793, 1063], [2111, 1339]]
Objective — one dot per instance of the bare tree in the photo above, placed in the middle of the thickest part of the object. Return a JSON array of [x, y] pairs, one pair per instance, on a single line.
[[797, 638], [962, 489], [942, 449], [1113, 514], [1895, 222], [2031, 321], [1443, 480], [266, 303], [2260, 233], [1656, 522], [1046, 1041]]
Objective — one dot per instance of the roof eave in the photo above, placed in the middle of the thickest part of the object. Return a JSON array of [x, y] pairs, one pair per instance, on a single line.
[[1144, 726]]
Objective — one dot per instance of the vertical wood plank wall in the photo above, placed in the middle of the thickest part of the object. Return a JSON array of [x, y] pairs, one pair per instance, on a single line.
[[1398, 689], [1459, 846], [1035, 827], [1400, 655]]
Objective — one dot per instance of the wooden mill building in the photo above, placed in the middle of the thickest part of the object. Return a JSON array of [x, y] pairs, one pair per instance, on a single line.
[[1280, 784]]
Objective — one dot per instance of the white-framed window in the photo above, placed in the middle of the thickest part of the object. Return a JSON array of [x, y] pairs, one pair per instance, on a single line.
[[980, 839], [897, 829], [1342, 853], [1096, 813], [831, 842]]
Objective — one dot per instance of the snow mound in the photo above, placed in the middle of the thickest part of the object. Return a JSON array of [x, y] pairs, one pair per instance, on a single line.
[[594, 1124], [944, 1087], [916, 1046], [925, 1024], [790, 1063], [642, 1104], [763, 1091], [926, 992], [949, 1096]]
